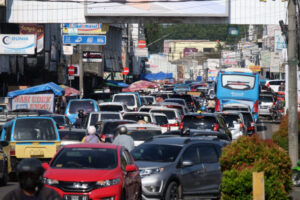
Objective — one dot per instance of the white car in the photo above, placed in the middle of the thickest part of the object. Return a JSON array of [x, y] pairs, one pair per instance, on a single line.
[[265, 104], [173, 116], [236, 107], [129, 99], [113, 107], [94, 117], [274, 84]]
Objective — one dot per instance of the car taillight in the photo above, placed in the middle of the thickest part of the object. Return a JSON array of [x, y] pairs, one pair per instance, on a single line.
[[176, 124], [103, 137], [141, 128], [268, 84], [273, 103], [250, 128], [192, 103], [12, 151], [218, 105], [182, 116], [61, 127], [255, 107], [181, 125], [216, 127]]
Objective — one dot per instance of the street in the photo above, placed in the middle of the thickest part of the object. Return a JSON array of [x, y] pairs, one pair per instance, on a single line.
[[265, 129]]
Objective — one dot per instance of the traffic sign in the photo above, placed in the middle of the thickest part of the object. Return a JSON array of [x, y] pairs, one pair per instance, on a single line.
[[141, 44], [71, 70], [125, 71], [85, 39]]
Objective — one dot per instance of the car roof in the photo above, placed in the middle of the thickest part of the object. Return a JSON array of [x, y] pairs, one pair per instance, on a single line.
[[148, 126], [164, 109], [104, 112], [181, 141], [136, 113], [111, 103], [89, 145], [228, 113]]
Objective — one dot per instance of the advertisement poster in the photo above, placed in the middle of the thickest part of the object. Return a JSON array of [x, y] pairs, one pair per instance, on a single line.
[[85, 29], [212, 75], [37, 30], [34, 101], [160, 8], [17, 44]]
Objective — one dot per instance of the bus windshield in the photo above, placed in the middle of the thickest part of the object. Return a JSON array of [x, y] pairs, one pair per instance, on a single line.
[[238, 82]]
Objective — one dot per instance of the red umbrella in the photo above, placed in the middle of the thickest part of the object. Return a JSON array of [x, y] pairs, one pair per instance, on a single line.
[[71, 91], [140, 85]]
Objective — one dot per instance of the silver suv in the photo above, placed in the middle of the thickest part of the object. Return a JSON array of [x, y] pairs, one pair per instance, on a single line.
[[172, 167]]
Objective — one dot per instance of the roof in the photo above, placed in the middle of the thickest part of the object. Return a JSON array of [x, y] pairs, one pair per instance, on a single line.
[[87, 145], [181, 141], [132, 126], [136, 113], [111, 103]]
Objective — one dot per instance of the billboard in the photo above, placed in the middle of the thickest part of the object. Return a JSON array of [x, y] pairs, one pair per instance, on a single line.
[[159, 8], [34, 101], [85, 29], [17, 44], [37, 30], [85, 39]]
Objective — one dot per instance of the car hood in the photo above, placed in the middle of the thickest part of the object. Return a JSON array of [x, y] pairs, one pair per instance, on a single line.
[[86, 175], [146, 164]]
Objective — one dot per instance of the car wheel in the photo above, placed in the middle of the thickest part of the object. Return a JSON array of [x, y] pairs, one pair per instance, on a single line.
[[172, 192], [296, 178], [4, 177]]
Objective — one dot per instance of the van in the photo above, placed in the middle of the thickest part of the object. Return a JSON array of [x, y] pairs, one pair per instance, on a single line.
[[130, 99], [30, 137]]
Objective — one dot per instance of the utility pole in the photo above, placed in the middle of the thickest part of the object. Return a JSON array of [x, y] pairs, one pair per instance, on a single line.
[[292, 83], [81, 71]]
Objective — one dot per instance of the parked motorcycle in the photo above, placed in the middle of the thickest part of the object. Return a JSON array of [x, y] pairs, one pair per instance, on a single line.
[[296, 175]]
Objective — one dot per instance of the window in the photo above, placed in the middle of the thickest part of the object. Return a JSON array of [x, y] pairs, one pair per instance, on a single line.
[[110, 116], [128, 157], [208, 153], [238, 82], [161, 120], [7, 133], [191, 154], [126, 99], [170, 114], [94, 119], [123, 161], [111, 108], [86, 106]]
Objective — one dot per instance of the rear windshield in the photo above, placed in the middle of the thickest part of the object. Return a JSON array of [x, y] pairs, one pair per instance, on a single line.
[[86, 158], [170, 114], [34, 129], [137, 117], [111, 108], [150, 99], [145, 109], [248, 118], [126, 99], [275, 82], [143, 135], [69, 135], [187, 98], [181, 102], [110, 127], [110, 116], [235, 109], [86, 106], [161, 120], [238, 82], [199, 122], [231, 119], [268, 99]]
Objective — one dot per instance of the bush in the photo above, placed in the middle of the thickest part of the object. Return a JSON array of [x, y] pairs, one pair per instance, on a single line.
[[251, 154], [281, 136]]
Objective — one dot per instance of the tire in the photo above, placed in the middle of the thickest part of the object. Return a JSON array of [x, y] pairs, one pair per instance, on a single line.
[[4, 178], [296, 178], [172, 192]]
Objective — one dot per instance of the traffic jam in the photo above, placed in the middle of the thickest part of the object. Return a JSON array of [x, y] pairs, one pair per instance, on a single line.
[[150, 141]]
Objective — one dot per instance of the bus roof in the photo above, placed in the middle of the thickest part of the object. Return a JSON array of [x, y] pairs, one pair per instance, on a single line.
[[235, 69]]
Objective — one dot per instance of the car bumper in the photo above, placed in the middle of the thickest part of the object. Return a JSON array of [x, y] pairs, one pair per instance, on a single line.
[[110, 193], [152, 187], [264, 111]]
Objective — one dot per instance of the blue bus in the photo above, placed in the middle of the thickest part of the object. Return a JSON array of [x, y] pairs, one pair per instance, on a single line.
[[236, 87]]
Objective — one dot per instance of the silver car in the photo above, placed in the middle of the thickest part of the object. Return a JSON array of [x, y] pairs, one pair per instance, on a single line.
[[265, 104], [172, 167]]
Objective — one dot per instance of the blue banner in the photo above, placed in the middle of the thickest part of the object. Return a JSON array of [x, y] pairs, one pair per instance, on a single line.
[[85, 39]]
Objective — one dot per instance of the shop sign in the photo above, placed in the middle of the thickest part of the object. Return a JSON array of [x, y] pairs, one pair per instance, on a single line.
[[34, 101], [37, 30], [68, 50], [82, 29], [17, 44], [90, 56]]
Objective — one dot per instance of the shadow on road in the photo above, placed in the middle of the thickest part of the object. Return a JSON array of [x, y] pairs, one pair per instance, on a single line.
[[261, 128]]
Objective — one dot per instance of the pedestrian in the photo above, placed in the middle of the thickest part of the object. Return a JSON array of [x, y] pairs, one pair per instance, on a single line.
[[91, 137], [30, 175], [123, 139]]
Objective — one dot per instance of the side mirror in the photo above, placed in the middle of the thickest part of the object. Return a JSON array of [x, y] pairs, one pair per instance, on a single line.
[[187, 163], [130, 168], [4, 143], [45, 165]]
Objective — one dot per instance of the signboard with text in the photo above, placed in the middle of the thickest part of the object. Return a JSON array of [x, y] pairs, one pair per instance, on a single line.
[[88, 29], [34, 101], [37, 30], [90, 56], [17, 44], [85, 39]]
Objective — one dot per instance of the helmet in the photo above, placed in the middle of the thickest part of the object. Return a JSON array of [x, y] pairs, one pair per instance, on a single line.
[[30, 174], [122, 130], [91, 130]]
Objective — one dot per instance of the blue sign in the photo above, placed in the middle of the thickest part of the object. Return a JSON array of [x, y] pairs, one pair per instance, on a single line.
[[85, 39]]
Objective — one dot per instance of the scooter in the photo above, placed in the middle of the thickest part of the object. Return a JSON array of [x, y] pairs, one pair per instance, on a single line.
[[296, 175]]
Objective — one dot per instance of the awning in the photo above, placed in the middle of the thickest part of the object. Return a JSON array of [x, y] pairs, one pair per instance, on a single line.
[[116, 84], [157, 76], [56, 89]]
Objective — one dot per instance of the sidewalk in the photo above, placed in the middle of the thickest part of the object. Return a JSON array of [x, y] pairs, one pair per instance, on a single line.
[[296, 193]]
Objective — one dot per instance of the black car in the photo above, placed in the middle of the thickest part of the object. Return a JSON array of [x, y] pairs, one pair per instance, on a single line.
[[205, 121], [188, 99]]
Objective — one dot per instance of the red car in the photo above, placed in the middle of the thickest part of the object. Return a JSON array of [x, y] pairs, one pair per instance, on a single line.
[[93, 171]]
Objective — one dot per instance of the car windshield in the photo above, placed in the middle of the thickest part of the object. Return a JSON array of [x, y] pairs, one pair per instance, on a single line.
[[110, 116], [111, 108], [187, 98], [232, 119], [85, 158], [137, 117], [268, 99], [170, 114], [156, 153], [235, 109], [143, 134], [199, 122], [247, 118], [238, 82], [71, 135], [145, 109], [110, 127], [150, 99], [60, 120], [179, 101], [34, 129], [161, 120], [126, 99], [85, 105]]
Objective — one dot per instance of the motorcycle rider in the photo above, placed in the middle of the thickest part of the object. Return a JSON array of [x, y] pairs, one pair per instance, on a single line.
[[30, 175]]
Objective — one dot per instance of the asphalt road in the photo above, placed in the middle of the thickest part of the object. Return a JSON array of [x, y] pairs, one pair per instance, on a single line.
[[265, 129]]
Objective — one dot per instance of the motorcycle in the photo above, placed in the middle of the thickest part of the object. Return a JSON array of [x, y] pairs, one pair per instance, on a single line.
[[296, 175], [276, 111]]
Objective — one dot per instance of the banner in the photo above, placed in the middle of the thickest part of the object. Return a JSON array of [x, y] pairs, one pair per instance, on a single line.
[[34, 101], [17, 44], [37, 30], [279, 41], [275, 62], [85, 29]]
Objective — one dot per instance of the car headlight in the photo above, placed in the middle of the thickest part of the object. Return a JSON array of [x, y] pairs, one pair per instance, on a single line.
[[106, 183], [49, 181], [148, 172]]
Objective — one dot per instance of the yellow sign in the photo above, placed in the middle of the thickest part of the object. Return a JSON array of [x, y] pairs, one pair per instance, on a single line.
[[254, 68], [86, 29]]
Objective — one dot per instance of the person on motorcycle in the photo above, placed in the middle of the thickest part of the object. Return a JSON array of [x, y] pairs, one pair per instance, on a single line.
[[30, 175], [80, 120], [92, 136]]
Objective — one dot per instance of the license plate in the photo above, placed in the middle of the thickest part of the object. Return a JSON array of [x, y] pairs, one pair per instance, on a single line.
[[76, 197]]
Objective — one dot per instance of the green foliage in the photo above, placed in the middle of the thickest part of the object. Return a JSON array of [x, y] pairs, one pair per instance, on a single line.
[[251, 154], [281, 136], [210, 32]]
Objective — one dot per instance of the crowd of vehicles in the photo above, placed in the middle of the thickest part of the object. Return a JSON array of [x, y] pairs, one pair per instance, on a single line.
[[177, 139]]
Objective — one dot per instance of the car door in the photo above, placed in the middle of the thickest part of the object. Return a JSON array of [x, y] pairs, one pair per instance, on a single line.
[[190, 175], [211, 175]]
